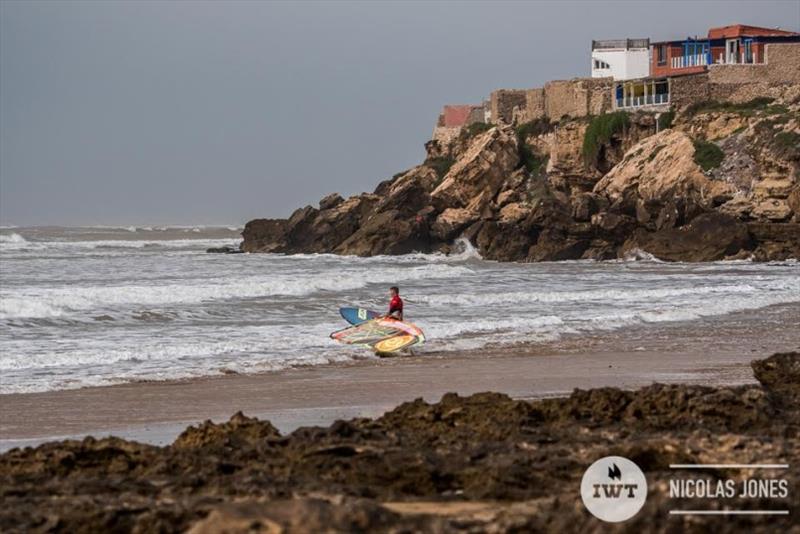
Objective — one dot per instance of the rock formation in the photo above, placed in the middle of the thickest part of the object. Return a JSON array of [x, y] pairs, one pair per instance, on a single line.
[[484, 463], [722, 181]]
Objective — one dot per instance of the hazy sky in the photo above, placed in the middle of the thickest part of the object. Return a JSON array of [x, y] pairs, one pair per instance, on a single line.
[[212, 112]]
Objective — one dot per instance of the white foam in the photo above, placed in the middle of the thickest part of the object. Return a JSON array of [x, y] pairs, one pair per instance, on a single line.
[[21, 245], [51, 302], [641, 255], [603, 295], [12, 238], [103, 360]]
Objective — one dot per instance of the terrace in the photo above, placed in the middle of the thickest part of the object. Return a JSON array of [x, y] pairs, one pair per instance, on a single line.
[[641, 93]]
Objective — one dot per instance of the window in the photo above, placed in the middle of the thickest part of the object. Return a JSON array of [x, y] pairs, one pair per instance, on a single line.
[[748, 50], [601, 64], [661, 54]]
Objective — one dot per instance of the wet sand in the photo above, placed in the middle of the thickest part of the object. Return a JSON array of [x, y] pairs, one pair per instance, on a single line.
[[711, 352]]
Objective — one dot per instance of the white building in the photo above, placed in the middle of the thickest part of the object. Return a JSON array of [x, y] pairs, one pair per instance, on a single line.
[[623, 59]]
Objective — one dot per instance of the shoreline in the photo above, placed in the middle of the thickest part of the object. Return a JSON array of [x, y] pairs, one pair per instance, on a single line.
[[156, 412]]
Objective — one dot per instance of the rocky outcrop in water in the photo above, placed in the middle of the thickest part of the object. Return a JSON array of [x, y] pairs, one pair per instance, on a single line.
[[595, 187], [464, 464]]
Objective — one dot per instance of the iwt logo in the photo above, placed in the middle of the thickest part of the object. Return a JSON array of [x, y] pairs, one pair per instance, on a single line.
[[613, 489]]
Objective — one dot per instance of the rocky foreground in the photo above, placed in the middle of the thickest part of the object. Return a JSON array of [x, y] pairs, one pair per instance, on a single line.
[[714, 181], [475, 464]]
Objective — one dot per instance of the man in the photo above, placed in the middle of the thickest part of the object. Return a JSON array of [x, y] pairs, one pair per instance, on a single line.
[[395, 305]]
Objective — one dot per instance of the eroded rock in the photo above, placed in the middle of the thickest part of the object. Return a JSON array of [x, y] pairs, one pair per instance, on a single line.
[[485, 462]]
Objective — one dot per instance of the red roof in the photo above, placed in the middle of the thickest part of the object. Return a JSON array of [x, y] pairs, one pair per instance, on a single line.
[[739, 30]]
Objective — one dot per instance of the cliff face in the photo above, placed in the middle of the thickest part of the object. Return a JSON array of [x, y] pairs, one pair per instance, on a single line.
[[721, 181]]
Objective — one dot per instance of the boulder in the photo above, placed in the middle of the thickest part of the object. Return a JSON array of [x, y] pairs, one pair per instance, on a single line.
[[709, 237], [475, 179], [388, 232], [452, 221], [332, 226], [330, 201], [554, 245], [264, 235], [660, 168], [740, 207], [501, 242], [514, 213], [773, 209], [227, 249], [566, 167], [409, 192]]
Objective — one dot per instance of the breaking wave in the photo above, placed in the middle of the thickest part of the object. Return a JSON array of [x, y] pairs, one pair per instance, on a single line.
[[12, 238], [56, 302], [19, 243]]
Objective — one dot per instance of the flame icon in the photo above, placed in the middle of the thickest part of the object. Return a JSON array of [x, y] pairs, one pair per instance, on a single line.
[[614, 472]]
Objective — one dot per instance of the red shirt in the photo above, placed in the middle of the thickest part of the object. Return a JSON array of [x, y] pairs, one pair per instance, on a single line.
[[396, 305]]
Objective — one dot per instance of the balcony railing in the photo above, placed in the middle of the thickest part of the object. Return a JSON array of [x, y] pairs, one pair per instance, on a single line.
[[639, 101], [620, 43], [701, 60], [740, 59], [682, 62]]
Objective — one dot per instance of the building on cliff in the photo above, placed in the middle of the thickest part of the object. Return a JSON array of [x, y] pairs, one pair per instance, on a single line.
[[726, 45], [454, 117], [735, 63], [621, 59]]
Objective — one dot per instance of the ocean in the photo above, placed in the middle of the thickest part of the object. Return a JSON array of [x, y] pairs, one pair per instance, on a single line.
[[106, 305]]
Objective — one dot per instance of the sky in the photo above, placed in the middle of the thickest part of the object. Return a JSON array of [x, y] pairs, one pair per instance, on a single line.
[[220, 112]]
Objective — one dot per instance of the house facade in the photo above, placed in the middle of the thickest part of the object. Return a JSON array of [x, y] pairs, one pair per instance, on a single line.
[[621, 59], [727, 45]]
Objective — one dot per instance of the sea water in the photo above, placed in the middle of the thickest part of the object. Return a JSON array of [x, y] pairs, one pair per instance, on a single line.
[[105, 305]]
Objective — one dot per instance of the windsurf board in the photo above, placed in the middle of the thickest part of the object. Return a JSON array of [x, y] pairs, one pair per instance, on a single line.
[[358, 315]]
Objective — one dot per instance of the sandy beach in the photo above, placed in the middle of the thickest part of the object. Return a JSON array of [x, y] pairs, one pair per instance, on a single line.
[[156, 412]]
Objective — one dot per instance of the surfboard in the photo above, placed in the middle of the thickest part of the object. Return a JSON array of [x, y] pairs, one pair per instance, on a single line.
[[357, 315], [383, 335]]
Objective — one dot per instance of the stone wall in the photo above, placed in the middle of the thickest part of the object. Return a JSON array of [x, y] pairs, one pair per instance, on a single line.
[[477, 114], [564, 97], [502, 103], [740, 83], [601, 92], [578, 97], [573, 98], [782, 66], [686, 90], [534, 105]]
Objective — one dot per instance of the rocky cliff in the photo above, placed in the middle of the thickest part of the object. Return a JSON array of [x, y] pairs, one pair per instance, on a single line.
[[484, 463], [714, 181]]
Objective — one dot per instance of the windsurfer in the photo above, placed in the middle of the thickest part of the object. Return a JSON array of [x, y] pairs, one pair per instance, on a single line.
[[395, 304]]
